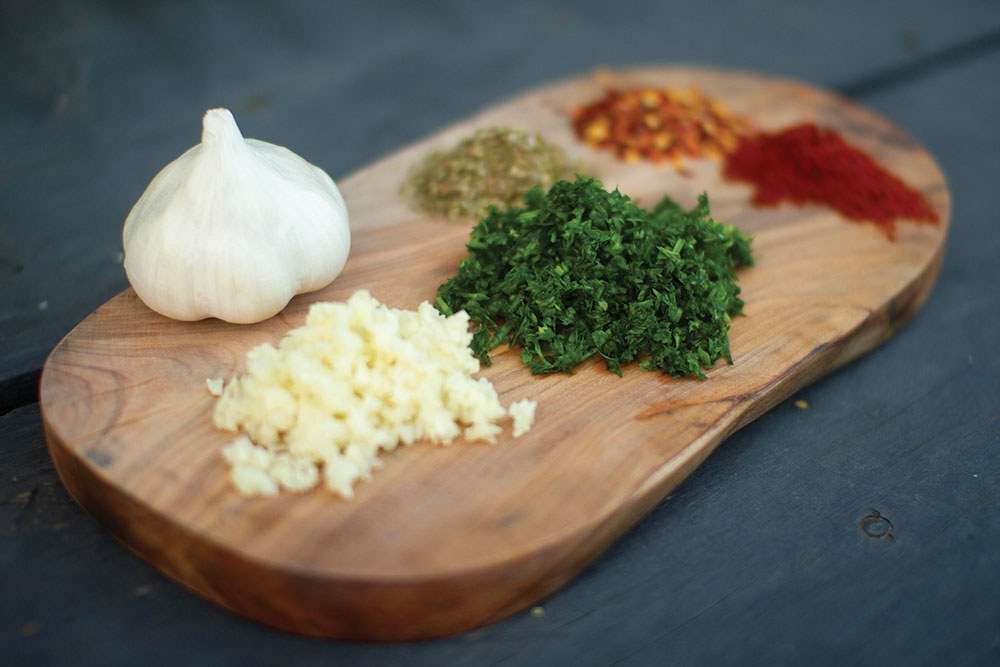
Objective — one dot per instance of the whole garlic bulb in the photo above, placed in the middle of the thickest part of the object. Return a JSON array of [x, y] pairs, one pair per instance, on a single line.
[[234, 228]]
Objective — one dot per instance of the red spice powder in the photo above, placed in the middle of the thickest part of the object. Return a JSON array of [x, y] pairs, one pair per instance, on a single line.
[[806, 164]]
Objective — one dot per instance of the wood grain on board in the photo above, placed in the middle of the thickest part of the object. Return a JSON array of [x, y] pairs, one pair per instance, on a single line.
[[444, 539]]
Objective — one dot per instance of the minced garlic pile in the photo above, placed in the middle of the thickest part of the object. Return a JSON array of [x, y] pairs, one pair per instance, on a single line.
[[358, 378]]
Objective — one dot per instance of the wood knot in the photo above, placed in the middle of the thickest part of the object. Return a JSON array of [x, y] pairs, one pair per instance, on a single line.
[[876, 526]]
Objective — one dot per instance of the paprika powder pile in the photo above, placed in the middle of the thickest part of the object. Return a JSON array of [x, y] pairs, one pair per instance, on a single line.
[[807, 164], [659, 125]]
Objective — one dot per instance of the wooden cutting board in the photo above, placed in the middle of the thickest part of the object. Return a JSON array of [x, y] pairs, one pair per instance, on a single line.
[[448, 538]]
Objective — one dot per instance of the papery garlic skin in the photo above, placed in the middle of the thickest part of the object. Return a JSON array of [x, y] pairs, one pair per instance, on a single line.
[[233, 229]]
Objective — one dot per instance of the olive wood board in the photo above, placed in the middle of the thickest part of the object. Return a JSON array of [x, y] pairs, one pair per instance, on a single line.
[[447, 538]]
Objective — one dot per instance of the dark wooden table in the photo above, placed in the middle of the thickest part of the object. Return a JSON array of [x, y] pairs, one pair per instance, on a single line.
[[767, 554]]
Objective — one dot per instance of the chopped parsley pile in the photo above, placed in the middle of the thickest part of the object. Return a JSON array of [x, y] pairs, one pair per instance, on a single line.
[[580, 271]]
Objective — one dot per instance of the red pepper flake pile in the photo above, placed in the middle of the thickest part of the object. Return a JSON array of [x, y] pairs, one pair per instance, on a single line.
[[806, 164], [659, 125]]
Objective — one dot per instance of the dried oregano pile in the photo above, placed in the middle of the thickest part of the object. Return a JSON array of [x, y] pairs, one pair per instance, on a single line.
[[582, 271], [495, 166]]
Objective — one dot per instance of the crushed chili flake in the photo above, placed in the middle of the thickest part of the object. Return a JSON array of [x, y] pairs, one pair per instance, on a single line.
[[807, 164], [659, 125]]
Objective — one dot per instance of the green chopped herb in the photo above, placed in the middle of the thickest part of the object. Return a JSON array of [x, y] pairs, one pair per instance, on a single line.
[[495, 166], [582, 271]]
